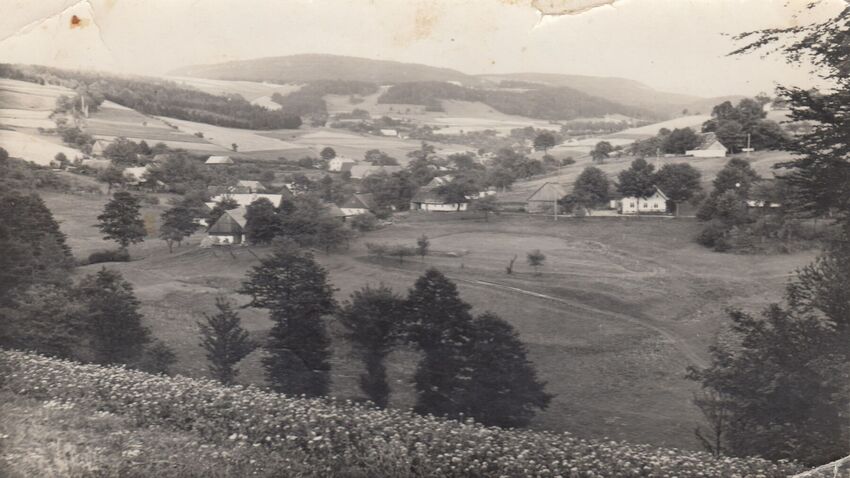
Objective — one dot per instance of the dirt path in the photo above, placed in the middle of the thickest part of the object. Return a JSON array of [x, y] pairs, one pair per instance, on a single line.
[[681, 344], [678, 342]]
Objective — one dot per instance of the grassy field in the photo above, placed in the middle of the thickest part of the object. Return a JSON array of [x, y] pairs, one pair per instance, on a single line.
[[617, 313]]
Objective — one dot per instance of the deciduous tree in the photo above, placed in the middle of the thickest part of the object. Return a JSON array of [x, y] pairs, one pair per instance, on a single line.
[[121, 220]]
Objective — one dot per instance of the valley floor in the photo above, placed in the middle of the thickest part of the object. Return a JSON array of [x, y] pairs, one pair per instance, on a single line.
[[617, 313]]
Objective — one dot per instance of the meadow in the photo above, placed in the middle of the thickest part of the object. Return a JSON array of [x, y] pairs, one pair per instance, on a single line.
[[248, 432], [618, 311]]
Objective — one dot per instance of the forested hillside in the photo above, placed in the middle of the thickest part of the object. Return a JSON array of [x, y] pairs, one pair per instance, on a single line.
[[551, 103]]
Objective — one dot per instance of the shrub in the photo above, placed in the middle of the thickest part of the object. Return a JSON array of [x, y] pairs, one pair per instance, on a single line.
[[364, 222], [117, 255], [712, 233], [334, 438], [150, 200]]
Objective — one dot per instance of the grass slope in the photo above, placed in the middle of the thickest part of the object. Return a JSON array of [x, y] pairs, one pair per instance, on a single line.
[[286, 436], [618, 285]]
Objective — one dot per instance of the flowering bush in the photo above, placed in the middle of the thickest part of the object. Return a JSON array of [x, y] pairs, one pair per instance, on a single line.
[[334, 438]]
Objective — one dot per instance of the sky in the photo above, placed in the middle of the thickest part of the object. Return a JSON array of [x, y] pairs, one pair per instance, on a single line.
[[679, 46]]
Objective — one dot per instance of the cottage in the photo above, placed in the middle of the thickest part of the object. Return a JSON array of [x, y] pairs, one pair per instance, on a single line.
[[709, 147], [245, 200], [98, 147], [545, 198], [430, 200], [360, 171], [357, 204], [219, 160], [389, 132], [336, 164], [229, 229], [657, 203]]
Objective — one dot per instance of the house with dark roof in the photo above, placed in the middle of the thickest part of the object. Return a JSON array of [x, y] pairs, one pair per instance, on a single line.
[[708, 147], [545, 198], [358, 203], [229, 229]]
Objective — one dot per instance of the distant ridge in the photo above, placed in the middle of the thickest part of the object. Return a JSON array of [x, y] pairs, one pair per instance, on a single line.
[[306, 68], [620, 90], [314, 67]]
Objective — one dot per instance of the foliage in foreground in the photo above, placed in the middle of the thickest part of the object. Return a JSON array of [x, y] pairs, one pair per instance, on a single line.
[[332, 438]]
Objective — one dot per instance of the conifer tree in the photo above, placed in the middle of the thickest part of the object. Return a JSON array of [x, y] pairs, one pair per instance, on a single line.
[[504, 390], [295, 290], [373, 319], [113, 323], [439, 323], [225, 341]]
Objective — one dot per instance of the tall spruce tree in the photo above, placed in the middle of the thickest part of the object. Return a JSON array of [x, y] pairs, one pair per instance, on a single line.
[[225, 341], [295, 290], [112, 320], [504, 390], [373, 319], [440, 324]]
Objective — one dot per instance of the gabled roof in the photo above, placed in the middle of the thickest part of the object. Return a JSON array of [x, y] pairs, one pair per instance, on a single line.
[[439, 181], [548, 192], [658, 192], [231, 222], [709, 141], [247, 199], [219, 160], [358, 201]]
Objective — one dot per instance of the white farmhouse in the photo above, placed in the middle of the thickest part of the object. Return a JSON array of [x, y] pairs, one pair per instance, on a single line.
[[338, 163], [709, 147], [657, 203]]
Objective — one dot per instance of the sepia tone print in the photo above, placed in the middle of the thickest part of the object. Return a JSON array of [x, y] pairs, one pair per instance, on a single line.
[[433, 238]]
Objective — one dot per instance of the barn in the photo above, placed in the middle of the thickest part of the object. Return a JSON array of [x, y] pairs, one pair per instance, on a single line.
[[709, 147], [545, 198], [229, 229]]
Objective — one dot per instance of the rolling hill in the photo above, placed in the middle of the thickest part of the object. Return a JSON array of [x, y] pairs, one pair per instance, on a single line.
[[620, 90], [313, 67]]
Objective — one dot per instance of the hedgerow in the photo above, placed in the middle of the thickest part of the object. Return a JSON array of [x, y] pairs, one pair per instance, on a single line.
[[340, 438]]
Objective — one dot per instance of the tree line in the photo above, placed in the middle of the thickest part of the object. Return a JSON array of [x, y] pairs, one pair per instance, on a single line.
[[777, 385]]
